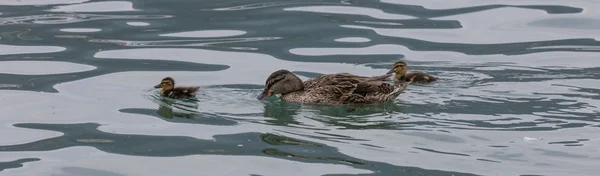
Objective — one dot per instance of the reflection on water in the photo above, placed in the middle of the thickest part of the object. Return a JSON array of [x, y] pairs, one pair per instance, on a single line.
[[171, 146], [516, 95], [16, 163]]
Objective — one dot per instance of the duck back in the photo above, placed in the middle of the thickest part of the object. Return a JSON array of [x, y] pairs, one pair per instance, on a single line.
[[344, 88], [181, 92], [419, 77]]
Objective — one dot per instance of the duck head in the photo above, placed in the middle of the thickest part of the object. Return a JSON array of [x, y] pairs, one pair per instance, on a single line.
[[400, 68], [281, 82], [166, 84]]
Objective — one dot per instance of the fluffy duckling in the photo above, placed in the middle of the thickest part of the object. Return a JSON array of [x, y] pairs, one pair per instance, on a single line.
[[169, 90], [400, 68], [331, 89]]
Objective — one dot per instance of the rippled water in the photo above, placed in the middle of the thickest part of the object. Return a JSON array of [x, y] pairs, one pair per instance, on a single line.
[[517, 92]]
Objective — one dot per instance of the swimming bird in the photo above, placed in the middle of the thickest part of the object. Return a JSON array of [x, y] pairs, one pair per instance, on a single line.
[[400, 68], [169, 90], [332, 89]]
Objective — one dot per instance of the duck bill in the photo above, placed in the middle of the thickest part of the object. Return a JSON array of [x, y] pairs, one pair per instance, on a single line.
[[391, 71], [264, 95], [157, 86]]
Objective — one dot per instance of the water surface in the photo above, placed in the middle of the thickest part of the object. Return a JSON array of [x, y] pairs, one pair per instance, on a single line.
[[517, 92]]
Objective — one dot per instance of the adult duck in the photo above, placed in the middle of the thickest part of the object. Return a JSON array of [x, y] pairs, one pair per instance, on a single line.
[[332, 89]]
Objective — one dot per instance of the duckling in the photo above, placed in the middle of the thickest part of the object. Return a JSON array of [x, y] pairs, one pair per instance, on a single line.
[[331, 89], [169, 90], [400, 68]]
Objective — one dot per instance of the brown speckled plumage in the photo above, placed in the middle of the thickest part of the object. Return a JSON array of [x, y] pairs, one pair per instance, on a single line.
[[333, 89], [169, 90], [400, 69]]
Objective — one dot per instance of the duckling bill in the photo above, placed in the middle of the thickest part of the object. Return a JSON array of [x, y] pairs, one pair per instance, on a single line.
[[168, 89], [332, 89], [400, 68]]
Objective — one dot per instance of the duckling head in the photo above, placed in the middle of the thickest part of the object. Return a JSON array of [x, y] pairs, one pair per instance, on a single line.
[[400, 68], [281, 82], [166, 84]]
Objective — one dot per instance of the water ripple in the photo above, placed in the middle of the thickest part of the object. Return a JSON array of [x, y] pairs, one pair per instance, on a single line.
[[16, 163], [187, 43], [70, 18], [106, 6], [264, 5]]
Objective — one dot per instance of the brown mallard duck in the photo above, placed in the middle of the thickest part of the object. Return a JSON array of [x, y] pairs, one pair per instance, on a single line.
[[400, 68], [169, 90], [332, 89]]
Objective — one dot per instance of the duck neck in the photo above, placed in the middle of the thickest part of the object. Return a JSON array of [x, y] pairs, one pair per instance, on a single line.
[[165, 91], [293, 96], [292, 84], [399, 77]]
